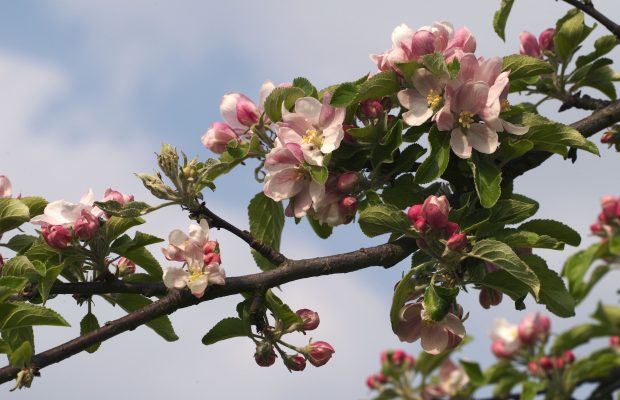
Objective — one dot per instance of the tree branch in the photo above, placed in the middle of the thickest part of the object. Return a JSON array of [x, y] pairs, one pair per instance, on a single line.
[[215, 221], [386, 255], [599, 120], [588, 8], [582, 101]]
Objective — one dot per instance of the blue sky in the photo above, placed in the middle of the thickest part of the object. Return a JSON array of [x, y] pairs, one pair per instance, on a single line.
[[90, 89]]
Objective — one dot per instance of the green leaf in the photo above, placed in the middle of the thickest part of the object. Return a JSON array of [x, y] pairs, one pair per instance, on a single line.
[[13, 213], [10, 285], [578, 335], [487, 179], [322, 230], [403, 192], [21, 243], [408, 68], [161, 325], [382, 84], [144, 259], [306, 86], [600, 79], [570, 31], [521, 66], [437, 161], [344, 95], [530, 389], [116, 226], [21, 266], [503, 256], [472, 369], [125, 244], [436, 64], [266, 223], [281, 96], [47, 282], [576, 267], [384, 150], [554, 229], [318, 173], [130, 210], [281, 310], [15, 315], [378, 219], [88, 324], [15, 337], [402, 293], [513, 210], [36, 205], [602, 46], [501, 17], [516, 238], [225, 329], [437, 301], [406, 159], [607, 315], [20, 357], [614, 245], [553, 293]]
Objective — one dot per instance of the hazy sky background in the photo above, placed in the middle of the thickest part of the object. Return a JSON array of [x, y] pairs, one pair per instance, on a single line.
[[90, 89]]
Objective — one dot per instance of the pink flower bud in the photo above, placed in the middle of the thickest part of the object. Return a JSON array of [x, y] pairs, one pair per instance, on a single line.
[[569, 357], [347, 181], [348, 138], [209, 247], [414, 212], [398, 357], [609, 204], [5, 187], [371, 382], [410, 361], [614, 341], [56, 236], [545, 363], [457, 242], [295, 363], [247, 113], [596, 228], [498, 348], [533, 368], [264, 356], [559, 362], [435, 210], [420, 225], [126, 267], [529, 44], [451, 229], [86, 225], [212, 258], [489, 297], [319, 353], [533, 327], [310, 319], [217, 137], [384, 357], [348, 206], [381, 378], [371, 108], [545, 39], [117, 196], [607, 137]]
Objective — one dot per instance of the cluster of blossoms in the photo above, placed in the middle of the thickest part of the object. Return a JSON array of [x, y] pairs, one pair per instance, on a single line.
[[63, 223], [200, 255], [530, 46], [545, 365], [398, 373], [608, 223], [430, 220], [468, 106], [612, 137], [509, 339], [317, 353]]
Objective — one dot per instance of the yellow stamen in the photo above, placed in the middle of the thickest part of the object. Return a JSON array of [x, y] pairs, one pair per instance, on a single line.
[[466, 119], [195, 274], [433, 99], [313, 137], [504, 105]]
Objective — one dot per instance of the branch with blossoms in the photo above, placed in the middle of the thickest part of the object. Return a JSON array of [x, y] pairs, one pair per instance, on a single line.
[[352, 153]]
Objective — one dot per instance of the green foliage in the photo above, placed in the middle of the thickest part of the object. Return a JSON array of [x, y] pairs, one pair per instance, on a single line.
[[322, 230], [266, 223], [437, 301], [570, 31], [501, 17], [437, 161], [521, 66], [553, 229], [305, 85], [13, 213], [281, 96], [88, 324], [487, 179], [281, 310], [402, 292], [116, 226], [15, 315], [513, 210], [602, 46], [132, 209], [378, 219], [225, 329], [553, 292]]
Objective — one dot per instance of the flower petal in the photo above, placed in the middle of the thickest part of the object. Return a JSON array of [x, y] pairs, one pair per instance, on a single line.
[[309, 108], [198, 285], [482, 138], [434, 337], [514, 129], [459, 143], [175, 278], [471, 97]]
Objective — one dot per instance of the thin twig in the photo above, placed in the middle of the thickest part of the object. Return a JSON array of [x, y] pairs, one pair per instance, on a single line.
[[582, 101]]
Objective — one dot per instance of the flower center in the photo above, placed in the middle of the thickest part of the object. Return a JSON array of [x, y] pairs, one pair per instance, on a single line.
[[433, 99], [466, 119], [313, 137], [195, 273], [504, 105]]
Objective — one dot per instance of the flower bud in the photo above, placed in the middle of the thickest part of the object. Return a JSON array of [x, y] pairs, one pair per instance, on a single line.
[[533, 327], [347, 181], [348, 206], [414, 212], [381, 378], [126, 267], [295, 363], [310, 319], [529, 45], [117, 196], [384, 357], [86, 225], [247, 113], [56, 236], [498, 348], [212, 258], [5, 187], [489, 297], [614, 341], [545, 363], [409, 361], [451, 229], [545, 39], [398, 357], [319, 353], [435, 210], [371, 108], [609, 204], [265, 356], [218, 136], [533, 368], [608, 137], [371, 382], [569, 357], [420, 225], [559, 362], [596, 228], [168, 161], [348, 138], [457, 242], [209, 247]]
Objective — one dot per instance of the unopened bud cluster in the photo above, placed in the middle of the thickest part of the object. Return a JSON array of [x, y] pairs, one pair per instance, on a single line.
[[510, 340], [608, 221], [394, 365], [612, 137]]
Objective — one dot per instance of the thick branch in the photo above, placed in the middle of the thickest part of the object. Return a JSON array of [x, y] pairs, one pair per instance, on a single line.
[[582, 101], [385, 255], [599, 120], [588, 8]]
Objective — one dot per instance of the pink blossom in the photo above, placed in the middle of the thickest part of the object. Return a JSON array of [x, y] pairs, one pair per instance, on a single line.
[[506, 333], [452, 377], [179, 241], [489, 297], [239, 112], [198, 276], [347, 181], [56, 236], [318, 353], [265, 356], [528, 45], [498, 348], [61, 212], [296, 362], [121, 198], [6, 189], [424, 99], [126, 267], [545, 39], [86, 225], [437, 336], [435, 211], [457, 242], [217, 137], [534, 327], [310, 319]]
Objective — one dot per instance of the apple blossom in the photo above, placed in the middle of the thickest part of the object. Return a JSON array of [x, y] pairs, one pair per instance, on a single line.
[[545, 363], [489, 297], [318, 353], [6, 189], [125, 267], [239, 112], [452, 377], [295, 363], [424, 99], [529, 45], [347, 181], [533, 327], [121, 198], [56, 236], [179, 241], [435, 211], [457, 242], [437, 336], [614, 341], [265, 356], [61, 212], [498, 348], [310, 319], [86, 225], [545, 39], [508, 334], [217, 137]]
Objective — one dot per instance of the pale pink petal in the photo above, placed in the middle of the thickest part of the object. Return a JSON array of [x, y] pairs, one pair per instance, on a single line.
[[199, 233], [265, 90], [6, 189], [422, 43], [471, 97], [514, 129], [459, 143], [454, 325], [309, 108], [288, 134], [297, 122], [410, 325], [464, 39], [88, 198], [302, 203], [60, 212], [424, 81], [198, 285], [175, 278], [402, 34], [177, 238], [228, 110], [216, 273], [331, 139], [316, 191], [434, 337], [418, 113], [489, 70], [173, 253], [444, 118], [284, 184], [498, 87], [482, 138], [469, 68], [312, 154]]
